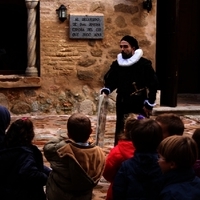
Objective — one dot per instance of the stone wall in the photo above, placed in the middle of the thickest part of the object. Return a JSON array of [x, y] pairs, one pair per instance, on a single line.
[[71, 70]]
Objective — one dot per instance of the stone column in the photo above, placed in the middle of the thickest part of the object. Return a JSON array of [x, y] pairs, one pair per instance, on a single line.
[[31, 69]]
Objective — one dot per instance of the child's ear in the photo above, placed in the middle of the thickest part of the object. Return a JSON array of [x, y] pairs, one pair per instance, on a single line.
[[91, 131]]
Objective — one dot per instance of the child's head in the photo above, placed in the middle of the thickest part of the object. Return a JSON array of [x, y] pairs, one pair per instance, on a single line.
[[79, 127], [177, 152], [128, 125], [196, 137], [146, 135], [171, 124], [20, 133]]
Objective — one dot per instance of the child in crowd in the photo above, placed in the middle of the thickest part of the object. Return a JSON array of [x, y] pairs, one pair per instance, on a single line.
[[4, 122], [196, 137], [121, 152], [177, 157], [77, 166], [171, 124], [22, 172], [139, 176]]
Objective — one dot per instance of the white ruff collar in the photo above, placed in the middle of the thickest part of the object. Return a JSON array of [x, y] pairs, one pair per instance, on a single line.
[[130, 61]]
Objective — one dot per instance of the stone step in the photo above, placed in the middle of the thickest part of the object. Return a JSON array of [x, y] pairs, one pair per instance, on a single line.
[[180, 110], [187, 104]]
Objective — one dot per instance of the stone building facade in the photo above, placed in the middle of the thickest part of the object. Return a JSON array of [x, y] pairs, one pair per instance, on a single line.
[[69, 74]]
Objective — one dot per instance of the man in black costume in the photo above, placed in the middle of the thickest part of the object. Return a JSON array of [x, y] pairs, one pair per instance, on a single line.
[[135, 80]]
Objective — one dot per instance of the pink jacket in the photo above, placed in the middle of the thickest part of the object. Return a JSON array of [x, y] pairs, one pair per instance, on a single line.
[[121, 152]]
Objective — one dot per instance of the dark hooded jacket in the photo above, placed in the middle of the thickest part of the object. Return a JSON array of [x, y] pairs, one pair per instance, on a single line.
[[22, 174], [138, 178], [4, 122], [180, 184]]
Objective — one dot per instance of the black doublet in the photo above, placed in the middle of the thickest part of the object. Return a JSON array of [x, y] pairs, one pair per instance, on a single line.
[[122, 78]]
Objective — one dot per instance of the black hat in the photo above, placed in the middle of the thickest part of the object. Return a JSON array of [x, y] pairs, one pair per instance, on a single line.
[[131, 40]]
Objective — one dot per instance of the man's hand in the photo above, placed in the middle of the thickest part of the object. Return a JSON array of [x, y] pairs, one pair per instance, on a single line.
[[105, 90]]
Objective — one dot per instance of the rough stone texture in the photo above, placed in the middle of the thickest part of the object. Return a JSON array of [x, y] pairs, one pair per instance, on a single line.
[[120, 22], [87, 107], [3, 100], [21, 108], [86, 62], [72, 70], [126, 8]]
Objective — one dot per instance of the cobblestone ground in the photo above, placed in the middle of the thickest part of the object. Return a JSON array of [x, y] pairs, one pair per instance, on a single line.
[[49, 126]]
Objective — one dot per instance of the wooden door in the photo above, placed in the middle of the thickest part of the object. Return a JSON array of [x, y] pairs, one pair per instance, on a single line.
[[188, 53], [177, 54], [166, 62]]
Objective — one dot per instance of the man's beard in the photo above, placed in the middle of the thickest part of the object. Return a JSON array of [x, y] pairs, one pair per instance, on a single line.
[[125, 55]]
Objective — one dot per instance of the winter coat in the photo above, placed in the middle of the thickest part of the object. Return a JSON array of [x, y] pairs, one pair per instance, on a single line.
[[180, 184], [121, 152], [76, 169], [138, 178], [4, 122], [22, 174]]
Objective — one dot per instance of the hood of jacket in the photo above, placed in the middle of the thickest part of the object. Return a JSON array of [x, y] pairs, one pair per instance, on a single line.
[[90, 159]]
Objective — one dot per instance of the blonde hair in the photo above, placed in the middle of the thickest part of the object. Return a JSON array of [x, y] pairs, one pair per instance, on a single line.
[[180, 149], [129, 123]]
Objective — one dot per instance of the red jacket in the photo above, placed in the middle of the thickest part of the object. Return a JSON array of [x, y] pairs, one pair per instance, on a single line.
[[121, 152]]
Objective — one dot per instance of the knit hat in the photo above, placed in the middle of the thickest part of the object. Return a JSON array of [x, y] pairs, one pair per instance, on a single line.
[[131, 40]]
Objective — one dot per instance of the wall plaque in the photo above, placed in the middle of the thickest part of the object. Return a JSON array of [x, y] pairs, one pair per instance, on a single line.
[[86, 26]]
